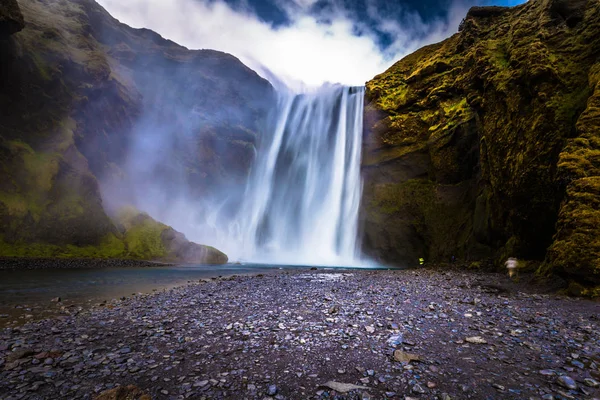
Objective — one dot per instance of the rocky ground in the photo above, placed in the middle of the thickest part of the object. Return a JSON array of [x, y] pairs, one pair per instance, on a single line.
[[422, 334], [64, 263]]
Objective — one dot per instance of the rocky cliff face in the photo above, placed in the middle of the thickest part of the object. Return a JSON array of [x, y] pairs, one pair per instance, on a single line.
[[78, 89], [11, 19], [487, 144]]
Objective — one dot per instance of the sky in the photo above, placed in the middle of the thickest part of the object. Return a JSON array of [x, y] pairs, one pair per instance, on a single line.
[[303, 42]]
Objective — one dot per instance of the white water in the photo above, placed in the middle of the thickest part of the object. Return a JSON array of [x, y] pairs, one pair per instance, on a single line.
[[302, 200]]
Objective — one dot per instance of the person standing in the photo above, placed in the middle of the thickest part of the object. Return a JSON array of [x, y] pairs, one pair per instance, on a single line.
[[511, 264]]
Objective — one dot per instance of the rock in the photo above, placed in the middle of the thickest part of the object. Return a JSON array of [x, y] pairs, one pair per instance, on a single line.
[[411, 154], [56, 300], [343, 387], [130, 392], [395, 340], [11, 19], [548, 372], [404, 357], [567, 382], [418, 389], [18, 354], [179, 247], [369, 329], [272, 390], [476, 340], [591, 382]]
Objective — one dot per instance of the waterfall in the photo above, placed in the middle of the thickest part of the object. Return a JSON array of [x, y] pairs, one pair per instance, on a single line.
[[302, 199]]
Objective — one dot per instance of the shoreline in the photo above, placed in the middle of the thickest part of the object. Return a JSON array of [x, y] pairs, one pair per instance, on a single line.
[[32, 263], [283, 335]]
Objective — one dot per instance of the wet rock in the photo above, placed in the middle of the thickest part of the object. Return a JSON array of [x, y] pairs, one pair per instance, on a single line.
[[567, 382], [591, 382], [418, 389], [272, 390], [11, 19], [343, 387]]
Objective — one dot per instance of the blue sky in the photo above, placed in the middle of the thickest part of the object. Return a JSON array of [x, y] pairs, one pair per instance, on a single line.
[[303, 41]]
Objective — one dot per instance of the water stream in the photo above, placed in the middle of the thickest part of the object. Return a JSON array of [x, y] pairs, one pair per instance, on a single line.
[[302, 200]]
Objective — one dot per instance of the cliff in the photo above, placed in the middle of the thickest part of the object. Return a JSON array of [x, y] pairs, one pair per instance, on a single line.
[[79, 90], [487, 144]]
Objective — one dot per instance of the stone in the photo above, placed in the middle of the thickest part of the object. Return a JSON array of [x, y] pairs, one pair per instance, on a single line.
[[272, 390], [476, 340], [11, 18], [591, 382], [567, 382], [404, 357], [130, 392], [418, 389], [343, 387]]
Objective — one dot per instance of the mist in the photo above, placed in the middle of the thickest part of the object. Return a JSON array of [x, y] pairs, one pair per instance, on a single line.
[[216, 154], [332, 45]]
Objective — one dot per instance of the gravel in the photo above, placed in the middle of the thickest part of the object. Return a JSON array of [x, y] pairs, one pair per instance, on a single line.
[[298, 334]]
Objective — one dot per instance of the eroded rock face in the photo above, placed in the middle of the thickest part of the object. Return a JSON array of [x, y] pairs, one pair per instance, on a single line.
[[11, 19], [485, 145]]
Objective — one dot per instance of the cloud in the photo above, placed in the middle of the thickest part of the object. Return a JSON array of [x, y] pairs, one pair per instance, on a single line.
[[334, 47]]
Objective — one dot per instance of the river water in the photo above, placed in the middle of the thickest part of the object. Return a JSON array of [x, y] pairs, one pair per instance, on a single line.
[[26, 293]]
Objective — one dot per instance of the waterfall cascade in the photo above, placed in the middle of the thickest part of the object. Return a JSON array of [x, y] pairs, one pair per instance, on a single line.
[[302, 200]]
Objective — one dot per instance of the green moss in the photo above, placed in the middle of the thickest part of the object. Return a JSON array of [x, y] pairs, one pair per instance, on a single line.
[[576, 248], [498, 54], [110, 247], [578, 290], [569, 106], [144, 240], [433, 211], [391, 153], [44, 71], [394, 99]]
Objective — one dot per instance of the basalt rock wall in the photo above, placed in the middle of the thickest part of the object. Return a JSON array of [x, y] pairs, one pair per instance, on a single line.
[[487, 145]]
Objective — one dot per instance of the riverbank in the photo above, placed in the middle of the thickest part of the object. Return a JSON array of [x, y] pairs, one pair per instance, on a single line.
[[21, 263], [283, 335]]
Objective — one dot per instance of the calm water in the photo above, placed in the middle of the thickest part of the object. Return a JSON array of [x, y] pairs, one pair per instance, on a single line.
[[28, 292]]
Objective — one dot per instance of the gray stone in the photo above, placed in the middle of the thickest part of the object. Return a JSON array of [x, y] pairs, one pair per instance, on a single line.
[[567, 382]]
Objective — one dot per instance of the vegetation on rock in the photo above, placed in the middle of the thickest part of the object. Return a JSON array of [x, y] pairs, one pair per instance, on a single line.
[[507, 111], [76, 86]]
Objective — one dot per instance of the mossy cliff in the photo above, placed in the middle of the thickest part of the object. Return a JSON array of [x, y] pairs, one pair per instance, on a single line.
[[137, 236], [75, 93], [487, 144]]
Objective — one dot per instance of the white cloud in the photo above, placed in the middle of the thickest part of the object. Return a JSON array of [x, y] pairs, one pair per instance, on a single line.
[[306, 50]]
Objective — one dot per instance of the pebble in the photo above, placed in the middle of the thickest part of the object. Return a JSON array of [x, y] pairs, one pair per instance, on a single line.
[[591, 382], [567, 382], [218, 338], [272, 390]]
